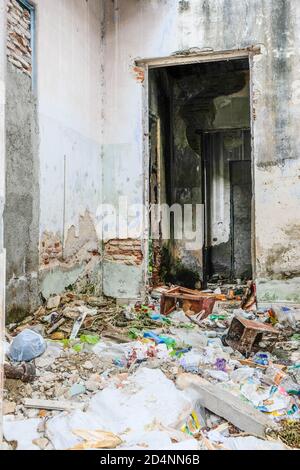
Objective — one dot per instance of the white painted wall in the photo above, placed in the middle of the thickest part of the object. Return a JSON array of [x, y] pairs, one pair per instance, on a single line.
[[69, 97]]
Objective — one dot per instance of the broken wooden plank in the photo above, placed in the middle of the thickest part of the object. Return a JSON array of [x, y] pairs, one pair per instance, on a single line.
[[227, 406], [56, 326], [77, 325], [52, 405]]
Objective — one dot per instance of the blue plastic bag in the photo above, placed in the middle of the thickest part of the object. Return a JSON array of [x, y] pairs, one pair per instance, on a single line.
[[27, 346]]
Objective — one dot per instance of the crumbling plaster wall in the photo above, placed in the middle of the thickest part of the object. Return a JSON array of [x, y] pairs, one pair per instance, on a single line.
[[69, 96], [141, 29]]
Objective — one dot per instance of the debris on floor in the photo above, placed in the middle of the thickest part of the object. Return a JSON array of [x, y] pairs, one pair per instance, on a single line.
[[185, 370]]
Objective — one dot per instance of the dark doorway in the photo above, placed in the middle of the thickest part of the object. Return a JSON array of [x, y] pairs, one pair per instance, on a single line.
[[228, 203], [200, 153]]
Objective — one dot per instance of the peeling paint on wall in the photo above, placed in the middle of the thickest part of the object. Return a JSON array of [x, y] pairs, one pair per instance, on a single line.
[[80, 245], [77, 261]]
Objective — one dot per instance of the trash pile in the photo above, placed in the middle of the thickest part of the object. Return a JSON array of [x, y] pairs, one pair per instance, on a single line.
[[184, 370]]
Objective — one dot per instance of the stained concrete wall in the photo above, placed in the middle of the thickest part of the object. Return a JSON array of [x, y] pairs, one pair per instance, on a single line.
[[68, 34], [143, 29], [21, 218], [54, 176]]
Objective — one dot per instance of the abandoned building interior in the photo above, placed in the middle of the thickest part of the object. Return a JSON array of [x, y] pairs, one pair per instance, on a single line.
[[191, 130], [201, 154], [122, 327]]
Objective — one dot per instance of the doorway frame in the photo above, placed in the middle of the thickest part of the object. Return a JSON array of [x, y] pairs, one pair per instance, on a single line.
[[147, 64]]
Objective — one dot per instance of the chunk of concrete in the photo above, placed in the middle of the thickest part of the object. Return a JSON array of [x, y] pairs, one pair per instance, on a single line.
[[53, 302], [227, 406]]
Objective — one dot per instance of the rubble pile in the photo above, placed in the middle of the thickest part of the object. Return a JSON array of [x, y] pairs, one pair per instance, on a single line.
[[185, 370]]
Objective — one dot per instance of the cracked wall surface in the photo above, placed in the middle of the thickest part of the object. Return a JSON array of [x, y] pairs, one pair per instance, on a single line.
[[74, 262]]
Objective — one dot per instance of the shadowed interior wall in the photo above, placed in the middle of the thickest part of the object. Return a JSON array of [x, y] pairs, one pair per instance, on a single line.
[[203, 110]]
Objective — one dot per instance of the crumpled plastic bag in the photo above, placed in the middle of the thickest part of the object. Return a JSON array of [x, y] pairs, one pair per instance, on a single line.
[[6, 348], [245, 442], [242, 374], [27, 346], [286, 316]]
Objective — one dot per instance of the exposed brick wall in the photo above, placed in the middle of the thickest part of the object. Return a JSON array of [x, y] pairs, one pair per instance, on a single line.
[[127, 252], [19, 51], [81, 244]]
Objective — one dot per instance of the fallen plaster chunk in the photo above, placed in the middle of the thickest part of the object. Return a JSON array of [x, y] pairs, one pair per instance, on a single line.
[[52, 405], [53, 302], [9, 407], [227, 406], [74, 313]]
